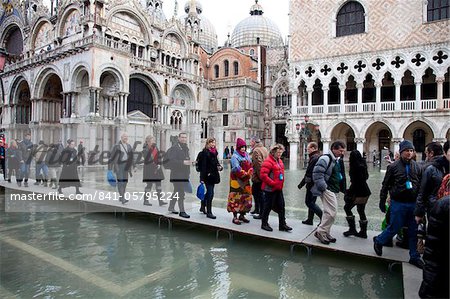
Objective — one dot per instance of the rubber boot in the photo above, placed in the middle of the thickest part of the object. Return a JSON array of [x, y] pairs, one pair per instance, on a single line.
[[45, 182], [209, 213], [309, 220], [363, 232], [352, 227]]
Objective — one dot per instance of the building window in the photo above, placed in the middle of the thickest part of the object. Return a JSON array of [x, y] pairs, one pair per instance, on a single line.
[[226, 65], [225, 120], [236, 68], [438, 10], [216, 71], [224, 104], [350, 19]]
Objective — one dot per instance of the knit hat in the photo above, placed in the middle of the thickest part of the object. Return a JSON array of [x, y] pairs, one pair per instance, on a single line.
[[406, 145], [240, 143]]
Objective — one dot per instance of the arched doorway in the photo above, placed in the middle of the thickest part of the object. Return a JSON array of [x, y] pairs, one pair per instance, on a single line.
[[22, 104], [378, 138], [420, 134], [345, 133], [140, 97]]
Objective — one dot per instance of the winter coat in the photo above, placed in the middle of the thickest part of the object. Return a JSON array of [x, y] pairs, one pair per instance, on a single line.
[[208, 166], [26, 146], [358, 178], [117, 162], [436, 257], [395, 182], [175, 157], [272, 174], [13, 157], [152, 164], [259, 154], [69, 173], [307, 179], [53, 157], [322, 172], [429, 185], [40, 153]]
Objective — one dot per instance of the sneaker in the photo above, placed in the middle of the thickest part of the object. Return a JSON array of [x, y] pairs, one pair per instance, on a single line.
[[284, 228], [211, 216], [321, 238], [417, 262], [377, 247]]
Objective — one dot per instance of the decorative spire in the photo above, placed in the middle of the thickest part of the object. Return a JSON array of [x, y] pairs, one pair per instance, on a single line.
[[175, 9], [256, 9]]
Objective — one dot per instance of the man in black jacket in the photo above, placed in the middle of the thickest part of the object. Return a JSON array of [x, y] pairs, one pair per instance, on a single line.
[[122, 163], [310, 199], [438, 167], [402, 180], [27, 148], [179, 163]]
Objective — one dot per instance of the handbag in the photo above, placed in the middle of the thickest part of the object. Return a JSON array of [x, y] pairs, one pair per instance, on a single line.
[[111, 178], [201, 191]]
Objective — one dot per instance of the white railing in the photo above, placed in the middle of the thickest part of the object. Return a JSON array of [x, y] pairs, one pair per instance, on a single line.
[[302, 110], [317, 109], [388, 106], [446, 103], [351, 108], [429, 104], [334, 108], [369, 107], [407, 105]]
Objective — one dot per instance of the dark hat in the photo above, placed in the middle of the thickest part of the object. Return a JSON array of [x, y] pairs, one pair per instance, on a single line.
[[406, 145]]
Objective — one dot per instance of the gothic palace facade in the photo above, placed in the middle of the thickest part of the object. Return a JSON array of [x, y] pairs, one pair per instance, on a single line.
[[368, 72]]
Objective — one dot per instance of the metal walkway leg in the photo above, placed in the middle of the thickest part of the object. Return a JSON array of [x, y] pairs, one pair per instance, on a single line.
[[230, 234], [169, 222], [392, 265], [308, 248]]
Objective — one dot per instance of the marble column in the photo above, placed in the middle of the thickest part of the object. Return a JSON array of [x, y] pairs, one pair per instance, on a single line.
[[325, 99], [440, 92], [326, 145], [342, 95], [396, 142], [378, 96], [293, 153], [418, 101], [397, 96], [310, 92], [294, 105], [360, 144], [359, 86]]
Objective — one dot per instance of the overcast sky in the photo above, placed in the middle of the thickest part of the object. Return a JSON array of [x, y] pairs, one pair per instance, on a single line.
[[225, 15]]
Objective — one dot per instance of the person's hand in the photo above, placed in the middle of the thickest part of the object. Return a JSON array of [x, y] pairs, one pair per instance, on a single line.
[[187, 162], [250, 172], [419, 219], [382, 206]]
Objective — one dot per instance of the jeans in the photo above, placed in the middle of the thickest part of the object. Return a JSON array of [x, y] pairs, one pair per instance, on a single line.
[[209, 197], [313, 208], [44, 168], [402, 214], [25, 171]]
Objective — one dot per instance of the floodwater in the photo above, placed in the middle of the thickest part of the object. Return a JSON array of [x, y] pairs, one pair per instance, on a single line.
[[54, 255], [102, 255]]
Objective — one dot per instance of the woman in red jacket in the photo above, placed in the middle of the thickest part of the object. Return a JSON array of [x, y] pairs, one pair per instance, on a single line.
[[272, 176]]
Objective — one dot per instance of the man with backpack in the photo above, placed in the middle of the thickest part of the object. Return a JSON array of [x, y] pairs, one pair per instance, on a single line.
[[329, 179]]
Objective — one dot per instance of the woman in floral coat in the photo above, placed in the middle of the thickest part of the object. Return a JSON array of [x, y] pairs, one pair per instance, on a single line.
[[240, 197]]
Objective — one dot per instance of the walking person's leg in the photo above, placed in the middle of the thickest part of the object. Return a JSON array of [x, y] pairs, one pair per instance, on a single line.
[[208, 198], [267, 198], [361, 208], [348, 206]]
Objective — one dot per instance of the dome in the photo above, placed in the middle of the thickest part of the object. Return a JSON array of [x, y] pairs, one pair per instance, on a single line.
[[207, 36], [247, 32]]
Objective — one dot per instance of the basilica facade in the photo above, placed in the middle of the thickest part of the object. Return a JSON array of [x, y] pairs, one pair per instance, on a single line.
[[371, 73]]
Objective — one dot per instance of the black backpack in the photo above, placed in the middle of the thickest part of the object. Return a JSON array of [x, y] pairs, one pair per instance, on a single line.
[[198, 162]]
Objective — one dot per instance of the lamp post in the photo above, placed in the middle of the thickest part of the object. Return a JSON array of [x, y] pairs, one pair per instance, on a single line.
[[304, 134]]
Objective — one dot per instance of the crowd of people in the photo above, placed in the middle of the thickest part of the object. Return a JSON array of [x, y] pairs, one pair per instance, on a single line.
[[412, 193]]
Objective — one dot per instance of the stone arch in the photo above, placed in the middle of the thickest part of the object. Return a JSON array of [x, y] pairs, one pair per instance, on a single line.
[[116, 73], [327, 132], [375, 140], [410, 130], [182, 95], [42, 34], [41, 79], [70, 21], [80, 75], [177, 38], [135, 14], [445, 131], [144, 94], [12, 39], [346, 132], [20, 100]]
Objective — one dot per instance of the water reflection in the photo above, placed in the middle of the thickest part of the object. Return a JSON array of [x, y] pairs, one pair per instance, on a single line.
[[131, 257]]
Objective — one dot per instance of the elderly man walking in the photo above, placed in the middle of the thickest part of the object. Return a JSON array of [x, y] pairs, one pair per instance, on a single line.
[[402, 181], [329, 179]]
